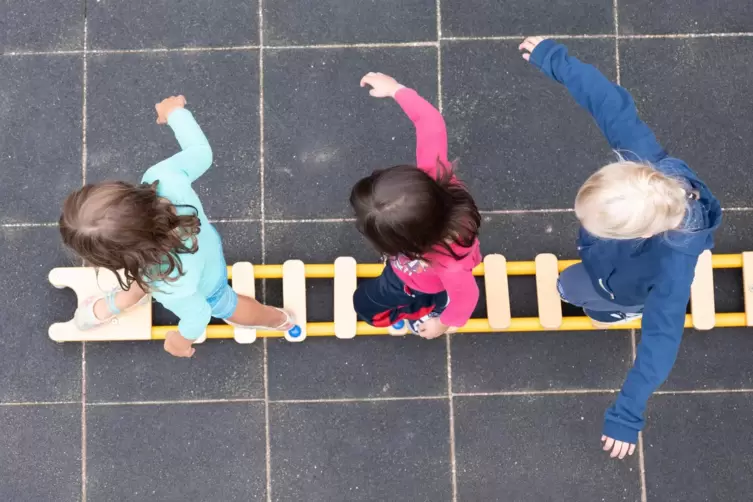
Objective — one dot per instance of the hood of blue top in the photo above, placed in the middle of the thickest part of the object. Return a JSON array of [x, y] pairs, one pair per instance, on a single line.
[[704, 215]]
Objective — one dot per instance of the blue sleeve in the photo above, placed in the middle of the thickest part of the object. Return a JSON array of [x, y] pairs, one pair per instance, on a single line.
[[662, 329], [195, 156], [610, 105]]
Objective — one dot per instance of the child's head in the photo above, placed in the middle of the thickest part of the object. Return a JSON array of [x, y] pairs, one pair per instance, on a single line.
[[403, 210], [630, 200], [117, 225]]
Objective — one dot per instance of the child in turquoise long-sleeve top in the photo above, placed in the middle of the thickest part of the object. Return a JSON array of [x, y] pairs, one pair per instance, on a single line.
[[159, 236]]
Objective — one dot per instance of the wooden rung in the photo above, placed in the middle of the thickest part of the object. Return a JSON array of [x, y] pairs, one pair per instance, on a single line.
[[244, 284], [133, 324], [497, 291], [748, 286], [702, 305], [294, 295], [550, 304], [345, 285]]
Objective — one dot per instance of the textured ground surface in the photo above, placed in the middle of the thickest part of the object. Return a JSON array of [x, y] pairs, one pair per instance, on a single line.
[[511, 417]]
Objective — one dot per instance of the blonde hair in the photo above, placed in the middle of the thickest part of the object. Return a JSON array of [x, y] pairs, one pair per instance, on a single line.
[[630, 200]]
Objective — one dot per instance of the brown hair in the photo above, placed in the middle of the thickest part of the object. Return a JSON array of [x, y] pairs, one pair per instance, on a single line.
[[403, 210], [117, 225]]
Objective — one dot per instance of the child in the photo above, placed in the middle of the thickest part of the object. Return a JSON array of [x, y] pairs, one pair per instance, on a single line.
[[425, 221], [158, 234], [645, 219]]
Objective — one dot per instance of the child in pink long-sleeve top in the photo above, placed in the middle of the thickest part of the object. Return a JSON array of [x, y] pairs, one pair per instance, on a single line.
[[425, 221]]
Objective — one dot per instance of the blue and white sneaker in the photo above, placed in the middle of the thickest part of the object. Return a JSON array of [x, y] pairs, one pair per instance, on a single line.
[[414, 326], [613, 318]]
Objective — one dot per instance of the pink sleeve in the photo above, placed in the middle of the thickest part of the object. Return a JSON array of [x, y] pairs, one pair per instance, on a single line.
[[431, 132], [462, 290]]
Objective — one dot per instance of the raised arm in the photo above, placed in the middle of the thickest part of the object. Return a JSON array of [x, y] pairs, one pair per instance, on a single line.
[[611, 106], [662, 329], [431, 132], [195, 156]]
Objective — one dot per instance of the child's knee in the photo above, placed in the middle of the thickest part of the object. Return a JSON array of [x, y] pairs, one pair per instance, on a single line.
[[570, 281]]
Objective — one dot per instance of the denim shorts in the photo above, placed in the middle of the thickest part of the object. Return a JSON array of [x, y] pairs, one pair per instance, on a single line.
[[223, 300]]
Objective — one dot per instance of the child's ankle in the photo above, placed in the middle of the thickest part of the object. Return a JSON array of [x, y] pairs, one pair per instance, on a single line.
[[101, 310]]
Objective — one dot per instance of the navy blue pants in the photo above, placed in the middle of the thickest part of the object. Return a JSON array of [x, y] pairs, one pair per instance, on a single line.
[[385, 300], [576, 288]]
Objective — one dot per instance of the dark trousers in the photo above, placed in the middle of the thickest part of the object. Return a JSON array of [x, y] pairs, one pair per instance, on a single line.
[[385, 300], [575, 287]]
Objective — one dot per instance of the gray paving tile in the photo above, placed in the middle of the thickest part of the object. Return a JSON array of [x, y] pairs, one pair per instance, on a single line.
[[41, 141], [176, 452], [697, 448], [521, 237], [33, 367], [717, 359], [683, 16], [323, 132], [694, 93], [369, 366], [331, 452], [41, 26], [40, 453], [540, 361], [222, 91], [143, 371], [143, 24], [298, 22], [735, 235], [514, 130], [491, 18], [527, 448]]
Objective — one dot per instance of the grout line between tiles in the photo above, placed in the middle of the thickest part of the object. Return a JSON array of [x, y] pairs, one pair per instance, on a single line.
[[355, 399], [267, 443], [83, 425], [387, 45], [313, 220], [263, 232], [84, 160], [489, 212], [642, 468], [551, 392], [27, 225], [526, 211], [38, 403], [451, 409], [702, 391], [501, 38], [177, 401], [397, 45], [616, 16], [439, 55]]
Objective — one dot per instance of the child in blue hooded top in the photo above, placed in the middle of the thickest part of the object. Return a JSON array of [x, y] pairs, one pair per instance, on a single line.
[[645, 219]]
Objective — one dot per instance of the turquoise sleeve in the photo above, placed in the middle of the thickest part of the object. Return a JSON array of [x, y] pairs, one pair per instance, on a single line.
[[194, 313], [195, 156]]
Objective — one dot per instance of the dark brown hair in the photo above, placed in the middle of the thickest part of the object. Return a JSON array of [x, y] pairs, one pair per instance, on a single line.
[[403, 210], [117, 225]]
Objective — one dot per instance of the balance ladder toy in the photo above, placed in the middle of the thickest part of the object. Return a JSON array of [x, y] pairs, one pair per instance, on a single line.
[[136, 323]]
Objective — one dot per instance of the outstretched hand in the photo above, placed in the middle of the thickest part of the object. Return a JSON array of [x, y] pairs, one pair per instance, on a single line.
[[167, 106], [528, 46], [383, 86], [619, 448]]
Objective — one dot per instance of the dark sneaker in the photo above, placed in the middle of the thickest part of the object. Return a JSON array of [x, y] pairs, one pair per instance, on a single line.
[[613, 318]]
